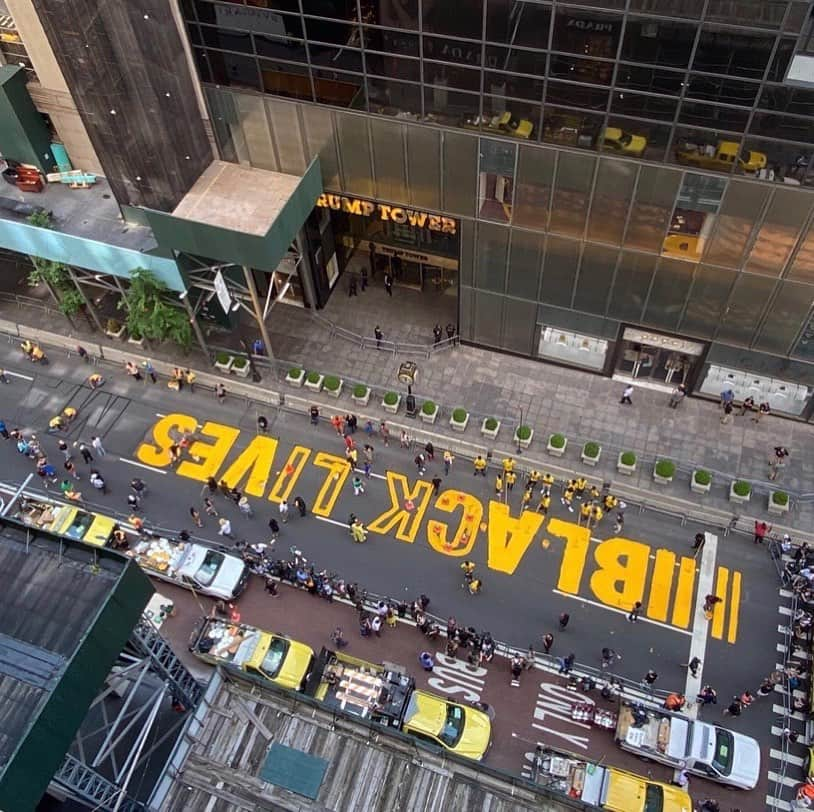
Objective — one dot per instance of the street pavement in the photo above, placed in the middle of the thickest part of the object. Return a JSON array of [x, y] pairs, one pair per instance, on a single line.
[[533, 568]]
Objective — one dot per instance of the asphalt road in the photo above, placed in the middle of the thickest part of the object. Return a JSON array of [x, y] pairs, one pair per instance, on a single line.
[[525, 590]]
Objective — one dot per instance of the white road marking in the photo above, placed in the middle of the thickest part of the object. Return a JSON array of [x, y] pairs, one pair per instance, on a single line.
[[785, 780], [19, 375], [789, 758], [778, 803], [331, 521], [786, 593], [784, 610], [621, 612], [780, 710], [142, 465]]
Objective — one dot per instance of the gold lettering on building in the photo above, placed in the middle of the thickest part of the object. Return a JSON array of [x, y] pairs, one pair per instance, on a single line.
[[396, 214]]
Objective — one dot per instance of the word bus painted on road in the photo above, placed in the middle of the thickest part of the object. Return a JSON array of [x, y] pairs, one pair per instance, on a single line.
[[616, 572]]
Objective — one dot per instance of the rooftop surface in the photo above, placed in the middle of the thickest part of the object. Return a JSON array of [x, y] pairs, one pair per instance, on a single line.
[[238, 198], [91, 213], [372, 773]]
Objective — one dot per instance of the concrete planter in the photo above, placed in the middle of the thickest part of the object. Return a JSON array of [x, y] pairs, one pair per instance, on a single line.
[[334, 393], [459, 425], [392, 407], [116, 333], [242, 371], [556, 451], [224, 365], [361, 400], [315, 385], [295, 380], [735, 497], [623, 468], [588, 460], [139, 342], [523, 443], [665, 477], [698, 487], [777, 508], [487, 432], [431, 417]]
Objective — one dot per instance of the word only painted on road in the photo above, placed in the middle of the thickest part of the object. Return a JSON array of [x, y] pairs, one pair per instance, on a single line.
[[617, 572]]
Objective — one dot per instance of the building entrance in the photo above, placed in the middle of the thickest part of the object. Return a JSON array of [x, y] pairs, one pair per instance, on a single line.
[[662, 361]]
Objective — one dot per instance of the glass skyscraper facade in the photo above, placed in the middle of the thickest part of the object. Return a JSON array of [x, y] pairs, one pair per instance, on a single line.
[[628, 182]]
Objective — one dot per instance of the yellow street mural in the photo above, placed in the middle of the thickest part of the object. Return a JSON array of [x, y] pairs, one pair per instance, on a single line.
[[615, 572]]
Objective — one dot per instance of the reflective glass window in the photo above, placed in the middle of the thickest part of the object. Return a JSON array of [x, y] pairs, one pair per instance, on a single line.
[[765, 14], [513, 117], [194, 34], [460, 166], [393, 98], [225, 123], [789, 310], [519, 87], [462, 52], [611, 199], [694, 216], [670, 8], [339, 9], [234, 70], [707, 300], [289, 50], [201, 59], [525, 262], [517, 23], [798, 14], [354, 150], [519, 326], [803, 266], [490, 257], [710, 149], [588, 33], [573, 69], [781, 162], [339, 89], [631, 285], [393, 67], [424, 166], [332, 32], [725, 51], [227, 40], [398, 14], [462, 19], [515, 60], [653, 207], [571, 194], [256, 131], [451, 76], [388, 159], [559, 271], [635, 139], [496, 180], [267, 20], [488, 318], [390, 42], [778, 234], [782, 57], [286, 128], [571, 128], [335, 58], [563, 93], [450, 107], [658, 42], [595, 278], [625, 103], [713, 115], [721, 91], [745, 307], [320, 139], [794, 100], [790, 128], [650, 80], [667, 294], [738, 214], [535, 172]]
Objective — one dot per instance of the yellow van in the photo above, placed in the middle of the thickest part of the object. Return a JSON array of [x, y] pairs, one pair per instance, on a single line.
[[626, 792], [83, 526]]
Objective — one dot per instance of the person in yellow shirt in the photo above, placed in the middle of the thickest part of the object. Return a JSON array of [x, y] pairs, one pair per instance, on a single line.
[[579, 486], [508, 465], [190, 378], [545, 503], [595, 492], [610, 501], [498, 486], [511, 478], [95, 380], [480, 466], [526, 499], [568, 497], [596, 515], [534, 477], [584, 514], [548, 481]]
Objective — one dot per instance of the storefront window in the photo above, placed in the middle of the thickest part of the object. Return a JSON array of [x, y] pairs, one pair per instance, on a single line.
[[782, 396], [656, 357], [572, 348]]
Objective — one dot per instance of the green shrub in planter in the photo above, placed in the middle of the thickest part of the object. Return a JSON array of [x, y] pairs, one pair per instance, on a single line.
[[222, 358], [703, 477], [294, 372], [360, 390], [590, 450], [428, 407], [459, 415], [240, 363], [523, 432], [557, 440], [628, 458], [780, 498], [490, 424], [742, 488], [331, 383], [665, 469], [312, 377], [390, 398]]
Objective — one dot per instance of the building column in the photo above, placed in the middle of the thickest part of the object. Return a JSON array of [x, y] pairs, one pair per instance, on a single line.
[[305, 270], [90, 310], [196, 328], [258, 310]]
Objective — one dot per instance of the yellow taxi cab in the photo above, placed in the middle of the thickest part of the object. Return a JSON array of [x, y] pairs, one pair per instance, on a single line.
[[91, 528], [284, 662], [617, 139], [461, 730], [626, 792]]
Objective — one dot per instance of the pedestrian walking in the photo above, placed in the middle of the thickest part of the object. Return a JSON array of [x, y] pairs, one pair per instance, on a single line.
[[436, 485], [699, 540], [352, 291], [619, 523], [274, 528], [450, 331], [358, 486], [777, 461], [96, 480], [133, 502], [220, 392], [377, 332], [314, 412], [763, 410], [245, 507], [607, 656], [727, 396], [338, 639], [498, 486], [649, 680], [85, 452], [363, 279], [225, 528], [96, 442], [209, 507], [133, 371], [384, 430], [761, 531], [726, 418], [626, 396], [437, 334], [71, 468], [694, 664], [707, 696], [429, 450], [82, 353], [479, 464], [4, 432], [548, 641], [448, 460], [196, 517], [262, 424], [564, 618], [734, 708], [633, 617], [367, 469], [150, 370], [677, 395], [358, 532], [566, 663], [419, 464], [299, 503], [284, 511], [190, 377], [388, 284], [511, 478]]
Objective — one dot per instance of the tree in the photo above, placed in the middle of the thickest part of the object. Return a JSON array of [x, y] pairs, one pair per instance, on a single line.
[[149, 313], [54, 275]]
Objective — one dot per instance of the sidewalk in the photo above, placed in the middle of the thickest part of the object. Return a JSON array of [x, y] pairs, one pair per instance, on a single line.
[[581, 406]]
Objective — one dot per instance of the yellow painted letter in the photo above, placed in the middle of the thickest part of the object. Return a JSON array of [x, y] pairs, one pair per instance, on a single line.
[[509, 538], [577, 542], [157, 453], [397, 515], [338, 470], [255, 460], [290, 473], [467, 532], [622, 572], [211, 455]]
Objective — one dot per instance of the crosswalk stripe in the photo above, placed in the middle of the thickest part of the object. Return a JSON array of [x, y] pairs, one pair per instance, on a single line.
[[789, 758], [779, 709], [785, 610], [785, 780], [786, 593], [778, 803]]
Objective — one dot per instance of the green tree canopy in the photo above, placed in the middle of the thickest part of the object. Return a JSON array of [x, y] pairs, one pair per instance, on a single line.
[[149, 313]]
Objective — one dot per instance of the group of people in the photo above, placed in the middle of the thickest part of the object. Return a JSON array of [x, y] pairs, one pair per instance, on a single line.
[[748, 404]]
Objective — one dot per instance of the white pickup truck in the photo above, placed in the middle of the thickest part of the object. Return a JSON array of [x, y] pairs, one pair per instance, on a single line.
[[194, 566], [700, 748]]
